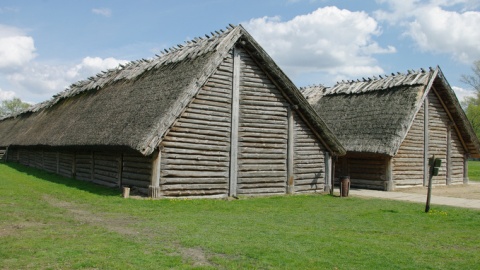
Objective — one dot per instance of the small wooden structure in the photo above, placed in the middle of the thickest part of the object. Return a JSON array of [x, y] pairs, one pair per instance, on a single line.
[[391, 125], [213, 117]]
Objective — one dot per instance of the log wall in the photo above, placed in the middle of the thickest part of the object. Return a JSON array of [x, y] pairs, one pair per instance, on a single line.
[[408, 163], [309, 159], [195, 152], [262, 160], [102, 167], [458, 159], [437, 129], [365, 170]]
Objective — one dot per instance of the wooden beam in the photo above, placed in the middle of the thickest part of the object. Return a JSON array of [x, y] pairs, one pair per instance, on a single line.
[[388, 174], [465, 169], [154, 187], [425, 142], [449, 154], [290, 151], [328, 172], [235, 123]]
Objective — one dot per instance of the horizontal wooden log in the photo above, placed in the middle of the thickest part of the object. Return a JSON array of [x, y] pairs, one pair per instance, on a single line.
[[255, 156], [317, 175], [217, 134], [203, 126], [246, 107], [242, 174], [246, 150], [250, 180], [263, 168], [282, 113], [145, 171], [201, 180], [193, 168], [199, 102], [278, 186], [168, 187], [104, 178], [263, 145], [245, 191], [210, 107], [108, 174], [196, 140], [206, 117], [199, 152], [206, 123], [192, 193], [182, 173], [214, 113], [196, 146], [136, 176], [210, 163], [137, 165], [309, 182], [135, 183]]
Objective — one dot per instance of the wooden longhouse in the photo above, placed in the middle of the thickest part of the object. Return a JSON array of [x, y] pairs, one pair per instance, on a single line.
[[391, 125], [213, 117]]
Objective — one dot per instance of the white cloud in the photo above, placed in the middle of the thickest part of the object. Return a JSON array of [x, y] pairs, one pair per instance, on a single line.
[[4, 95], [46, 80], [102, 11], [16, 48], [339, 42], [462, 93], [449, 32], [435, 29]]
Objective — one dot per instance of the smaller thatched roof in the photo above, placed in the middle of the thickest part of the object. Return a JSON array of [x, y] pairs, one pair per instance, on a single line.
[[373, 115], [134, 105]]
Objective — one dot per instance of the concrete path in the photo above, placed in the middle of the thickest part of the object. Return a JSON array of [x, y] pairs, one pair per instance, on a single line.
[[420, 198]]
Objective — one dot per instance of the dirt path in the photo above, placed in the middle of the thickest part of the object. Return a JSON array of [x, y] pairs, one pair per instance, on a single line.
[[470, 191]]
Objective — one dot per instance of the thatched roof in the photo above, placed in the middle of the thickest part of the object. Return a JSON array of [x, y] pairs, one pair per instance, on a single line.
[[373, 115], [133, 106]]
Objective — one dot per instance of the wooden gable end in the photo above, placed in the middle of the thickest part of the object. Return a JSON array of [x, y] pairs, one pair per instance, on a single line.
[[240, 136], [410, 164]]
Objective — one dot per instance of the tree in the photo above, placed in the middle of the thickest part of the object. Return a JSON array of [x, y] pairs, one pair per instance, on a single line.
[[474, 79], [471, 105], [13, 106]]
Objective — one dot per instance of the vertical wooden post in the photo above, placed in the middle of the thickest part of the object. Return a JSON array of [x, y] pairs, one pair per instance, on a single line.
[[389, 175], [334, 161], [328, 173], [235, 123], [154, 187], [465, 169], [425, 143], [448, 165], [92, 166], [74, 166], [290, 145], [58, 162], [120, 169]]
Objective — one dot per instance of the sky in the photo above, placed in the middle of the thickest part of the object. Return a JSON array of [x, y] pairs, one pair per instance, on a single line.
[[46, 45]]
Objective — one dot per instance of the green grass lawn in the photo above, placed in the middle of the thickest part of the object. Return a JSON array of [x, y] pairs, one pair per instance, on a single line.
[[50, 222], [474, 170]]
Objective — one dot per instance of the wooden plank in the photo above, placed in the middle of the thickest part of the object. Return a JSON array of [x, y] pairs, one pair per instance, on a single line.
[[426, 138], [235, 124], [290, 153], [195, 180]]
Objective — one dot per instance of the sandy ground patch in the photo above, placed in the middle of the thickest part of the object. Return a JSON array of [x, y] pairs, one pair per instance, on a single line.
[[469, 191]]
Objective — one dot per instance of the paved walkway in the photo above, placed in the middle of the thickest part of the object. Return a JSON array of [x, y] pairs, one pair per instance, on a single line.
[[420, 198]]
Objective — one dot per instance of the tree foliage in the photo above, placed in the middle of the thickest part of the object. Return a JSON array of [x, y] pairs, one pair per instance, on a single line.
[[471, 105], [13, 106]]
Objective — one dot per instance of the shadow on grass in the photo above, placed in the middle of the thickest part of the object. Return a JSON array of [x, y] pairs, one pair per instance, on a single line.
[[61, 180]]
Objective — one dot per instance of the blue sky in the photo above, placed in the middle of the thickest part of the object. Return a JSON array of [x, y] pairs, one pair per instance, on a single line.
[[46, 45]]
